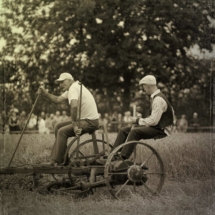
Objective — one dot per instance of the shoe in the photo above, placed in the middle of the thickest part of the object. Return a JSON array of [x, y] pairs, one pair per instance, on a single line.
[[100, 161], [118, 157], [65, 163], [145, 167]]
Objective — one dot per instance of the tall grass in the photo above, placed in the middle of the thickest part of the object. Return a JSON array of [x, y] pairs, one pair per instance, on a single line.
[[188, 189], [185, 156], [190, 198]]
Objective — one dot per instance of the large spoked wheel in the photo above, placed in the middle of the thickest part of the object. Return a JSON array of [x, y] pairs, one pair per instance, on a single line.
[[86, 153], [142, 173]]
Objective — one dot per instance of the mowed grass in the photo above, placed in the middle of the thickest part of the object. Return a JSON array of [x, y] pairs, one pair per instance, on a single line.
[[188, 188]]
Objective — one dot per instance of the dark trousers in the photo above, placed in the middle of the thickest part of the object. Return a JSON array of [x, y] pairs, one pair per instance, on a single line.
[[63, 131], [137, 133]]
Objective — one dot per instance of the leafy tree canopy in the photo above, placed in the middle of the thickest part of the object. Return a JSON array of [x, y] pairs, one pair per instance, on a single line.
[[109, 44]]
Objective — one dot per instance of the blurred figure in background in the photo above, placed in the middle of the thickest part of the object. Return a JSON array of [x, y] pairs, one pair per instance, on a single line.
[[32, 124], [22, 120], [106, 121], [127, 119], [41, 125], [57, 118], [13, 122], [49, 123], [64, 116], [114, 122], [120, 121], [13, 109], [100, 119], [43, 115], [194, 122], [182, 124]]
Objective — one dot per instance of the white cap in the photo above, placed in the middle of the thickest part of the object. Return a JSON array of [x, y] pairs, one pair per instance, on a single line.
[[64, 76], [149, 80]]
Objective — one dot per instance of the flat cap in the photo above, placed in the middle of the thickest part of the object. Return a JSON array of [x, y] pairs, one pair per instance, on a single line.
[[148, 80]]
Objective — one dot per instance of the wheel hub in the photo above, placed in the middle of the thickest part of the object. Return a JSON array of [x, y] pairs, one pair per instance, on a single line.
[[135, 173]]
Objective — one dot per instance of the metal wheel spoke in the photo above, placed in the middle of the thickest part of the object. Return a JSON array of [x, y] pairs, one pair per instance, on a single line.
[[80, 153], [122, 187], [147, 159], [148, 188], [124, 162]]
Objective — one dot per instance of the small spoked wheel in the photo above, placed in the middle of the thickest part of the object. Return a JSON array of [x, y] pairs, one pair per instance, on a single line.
[[54, 187], [57, 187], [142, 173], [87, 152]]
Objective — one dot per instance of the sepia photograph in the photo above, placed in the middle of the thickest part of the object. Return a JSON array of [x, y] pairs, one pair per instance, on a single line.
[[107, 107]]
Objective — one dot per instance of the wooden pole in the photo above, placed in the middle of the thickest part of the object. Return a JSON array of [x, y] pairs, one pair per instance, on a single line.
[[23, 130], [79, 123]]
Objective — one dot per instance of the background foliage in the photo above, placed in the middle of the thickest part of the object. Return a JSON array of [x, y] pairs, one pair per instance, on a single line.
[[109, 46]]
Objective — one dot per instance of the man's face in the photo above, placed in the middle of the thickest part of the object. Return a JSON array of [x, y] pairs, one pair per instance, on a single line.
[[146, 88], [65, 84]]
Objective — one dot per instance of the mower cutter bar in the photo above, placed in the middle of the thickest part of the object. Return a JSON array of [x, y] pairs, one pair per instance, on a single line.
[[45, 170]]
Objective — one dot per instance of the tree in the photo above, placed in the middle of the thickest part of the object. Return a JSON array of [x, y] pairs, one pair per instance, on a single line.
[[109, 45]]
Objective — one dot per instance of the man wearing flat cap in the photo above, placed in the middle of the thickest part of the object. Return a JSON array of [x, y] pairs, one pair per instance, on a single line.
[[88, 118], [158, 123]]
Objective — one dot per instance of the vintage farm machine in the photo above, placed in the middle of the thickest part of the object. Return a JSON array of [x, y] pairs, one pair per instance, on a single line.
[[92, 164]]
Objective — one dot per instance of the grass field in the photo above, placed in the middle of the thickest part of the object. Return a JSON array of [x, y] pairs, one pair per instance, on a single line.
[[188, 188]]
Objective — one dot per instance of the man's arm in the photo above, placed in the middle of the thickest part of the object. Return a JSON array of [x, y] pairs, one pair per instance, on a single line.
[[53, 98], [158, 107], [74, 111], [74, 116], [50, 97]]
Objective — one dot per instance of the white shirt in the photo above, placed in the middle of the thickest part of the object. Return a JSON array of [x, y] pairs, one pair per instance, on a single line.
[[41, 126], [32, 122], [159, 106], [88, 104]]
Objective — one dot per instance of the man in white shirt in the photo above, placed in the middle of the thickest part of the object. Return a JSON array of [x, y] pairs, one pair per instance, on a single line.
[[88, 119], [158, 123]]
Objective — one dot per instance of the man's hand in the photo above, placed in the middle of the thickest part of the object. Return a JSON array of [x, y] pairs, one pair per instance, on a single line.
[[77, 131], [41, 90], [134, 120]]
